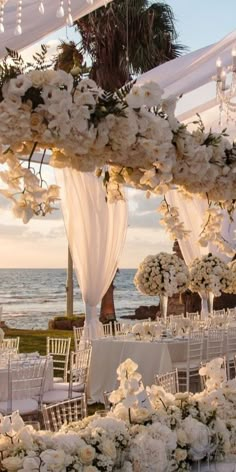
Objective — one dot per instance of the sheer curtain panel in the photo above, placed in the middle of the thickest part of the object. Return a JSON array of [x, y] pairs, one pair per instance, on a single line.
[[96, 233]]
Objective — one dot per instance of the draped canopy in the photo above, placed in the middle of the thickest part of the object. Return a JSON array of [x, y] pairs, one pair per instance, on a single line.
[[36, 26], [191, 75]]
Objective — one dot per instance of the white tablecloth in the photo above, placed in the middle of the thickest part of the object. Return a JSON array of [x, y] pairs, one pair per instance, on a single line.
[[151, 357], [4, 381]]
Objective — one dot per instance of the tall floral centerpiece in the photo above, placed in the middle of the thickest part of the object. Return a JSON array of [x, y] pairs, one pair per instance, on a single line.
[[209, 276], [164, 275]]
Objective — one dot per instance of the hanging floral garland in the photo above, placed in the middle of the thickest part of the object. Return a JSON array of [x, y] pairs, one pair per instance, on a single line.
[[133, 133]]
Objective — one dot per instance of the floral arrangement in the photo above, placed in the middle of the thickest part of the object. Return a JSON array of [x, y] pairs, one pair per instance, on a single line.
[[162, 274], [147, 430], [210, 274], [134, 131]]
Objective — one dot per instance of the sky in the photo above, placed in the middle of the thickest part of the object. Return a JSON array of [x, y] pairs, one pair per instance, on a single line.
[[42, 242]]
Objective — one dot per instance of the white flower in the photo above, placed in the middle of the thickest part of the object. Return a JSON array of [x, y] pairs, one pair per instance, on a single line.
[[86, 454], [19, 85], [54, 460], [31, 464], [12, 464], [198, 436]]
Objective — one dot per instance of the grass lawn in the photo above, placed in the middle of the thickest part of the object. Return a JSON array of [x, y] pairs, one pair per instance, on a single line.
[[35, 340]]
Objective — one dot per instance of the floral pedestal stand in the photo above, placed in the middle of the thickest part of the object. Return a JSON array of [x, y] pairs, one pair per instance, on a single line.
[[204, 305], [210, 301], [163, 305]]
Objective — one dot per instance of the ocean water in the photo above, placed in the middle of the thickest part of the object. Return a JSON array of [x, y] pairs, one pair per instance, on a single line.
[[31, 297]]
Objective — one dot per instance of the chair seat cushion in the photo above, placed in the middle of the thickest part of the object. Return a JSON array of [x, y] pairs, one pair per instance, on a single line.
[[77, 387], [61, 385], [54, 396], [25, 406], [58, 379]]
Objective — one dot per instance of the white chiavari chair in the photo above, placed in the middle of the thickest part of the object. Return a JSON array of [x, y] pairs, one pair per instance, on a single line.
[[10, 344], [59, 414], [230, 350], [169, 381], [79, 371], [188, 370], [59, 349], [117, 328], [107, 329], [174, 318], [194, 316], [215, 343], [25, 386], [219, 312], [81, 336], [231, 312]]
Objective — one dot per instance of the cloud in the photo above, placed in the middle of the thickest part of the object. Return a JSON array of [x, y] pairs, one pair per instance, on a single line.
[[142, 210], [9, 231]]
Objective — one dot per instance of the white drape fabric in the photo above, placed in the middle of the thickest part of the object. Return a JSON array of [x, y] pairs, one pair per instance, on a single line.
[[36, 26], [96, 233], [191, 213], [191, 71]]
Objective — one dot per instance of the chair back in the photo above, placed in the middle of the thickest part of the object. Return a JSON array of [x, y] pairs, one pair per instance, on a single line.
[[26, 379], [231, 312], [194, 316], [107, 329], [79, 370], [174, 318], [215, 340], [59, 414], [11, 344], [79, 335], [168, 381], [195, 349], [230, 348], [59, 349], [219, 312]]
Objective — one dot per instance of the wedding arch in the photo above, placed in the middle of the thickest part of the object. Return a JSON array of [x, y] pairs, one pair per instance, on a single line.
[[131, 137]]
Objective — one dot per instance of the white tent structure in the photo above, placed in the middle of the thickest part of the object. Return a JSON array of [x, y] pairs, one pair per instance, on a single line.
[[192, 75]]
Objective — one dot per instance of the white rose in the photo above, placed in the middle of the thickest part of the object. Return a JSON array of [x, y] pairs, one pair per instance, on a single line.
[[87, 454], [12, 464], [30, 464], [180, 454], [54, 460]]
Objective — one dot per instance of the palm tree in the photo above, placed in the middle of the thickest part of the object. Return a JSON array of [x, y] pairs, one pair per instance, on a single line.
[[128, 37], [124, 39]]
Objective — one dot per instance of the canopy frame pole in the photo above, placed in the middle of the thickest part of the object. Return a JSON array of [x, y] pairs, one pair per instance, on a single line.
[[69, 286]]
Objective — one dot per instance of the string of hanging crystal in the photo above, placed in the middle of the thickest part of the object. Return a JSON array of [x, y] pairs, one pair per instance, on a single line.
[[225, 79], [63, 11]]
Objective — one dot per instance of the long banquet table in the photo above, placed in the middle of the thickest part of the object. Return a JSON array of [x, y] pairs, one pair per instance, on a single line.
[[107, 353]]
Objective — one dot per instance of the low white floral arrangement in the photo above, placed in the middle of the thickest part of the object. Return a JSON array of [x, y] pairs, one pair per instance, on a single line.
[[162, 274], [133, 131], [210, 274], [148, 430]]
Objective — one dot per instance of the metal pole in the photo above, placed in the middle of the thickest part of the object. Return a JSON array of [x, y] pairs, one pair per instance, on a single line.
[[69, 286]]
